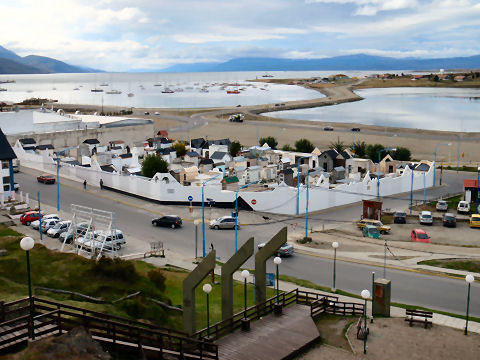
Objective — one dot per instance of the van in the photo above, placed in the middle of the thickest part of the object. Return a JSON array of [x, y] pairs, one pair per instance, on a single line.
[[463, 207], [371, 231]]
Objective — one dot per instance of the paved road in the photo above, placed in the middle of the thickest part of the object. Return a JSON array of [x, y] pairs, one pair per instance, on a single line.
[[408, 287]]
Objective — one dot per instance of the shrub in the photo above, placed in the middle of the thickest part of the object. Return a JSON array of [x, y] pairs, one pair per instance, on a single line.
[[135, 307], [157, 278], [152, 164], [116, 269]]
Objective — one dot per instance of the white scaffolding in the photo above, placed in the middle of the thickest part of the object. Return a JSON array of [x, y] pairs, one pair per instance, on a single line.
[[89, 231]]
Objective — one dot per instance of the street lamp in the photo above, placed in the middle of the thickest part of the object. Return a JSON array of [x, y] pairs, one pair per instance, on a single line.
[[306, 207], [411, 188], [245, 275], [335, 246], [206, 289], [298, 181], [27, 244], [236, 210], [435, 160], [478, 186], [365, 295], [378, 168], [277, 262], [203, 209], [58, 184], [196, 222], [469, 279]]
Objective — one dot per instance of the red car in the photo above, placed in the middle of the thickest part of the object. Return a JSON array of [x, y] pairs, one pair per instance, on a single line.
[[46, 179], [420, 236], [29, 216]]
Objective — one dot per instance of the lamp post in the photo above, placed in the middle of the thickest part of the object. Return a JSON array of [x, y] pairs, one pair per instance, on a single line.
[[58, 184], [196, 222], [40, 214], [245, 275], [478, 185], [424, 189], [411, 189], [469, 279], [335, 246], [378, 169], [206, 289], [306, 207], [27, 244], [277, 262], [236, 210], [365, 295], [203, 210], [298, 181], [435, 160]]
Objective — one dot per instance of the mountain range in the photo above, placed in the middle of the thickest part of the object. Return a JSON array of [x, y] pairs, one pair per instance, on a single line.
[[349, 62], [11, 63]]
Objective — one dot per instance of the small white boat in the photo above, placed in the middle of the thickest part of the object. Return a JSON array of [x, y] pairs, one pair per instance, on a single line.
[[113, 92], [96, 90]]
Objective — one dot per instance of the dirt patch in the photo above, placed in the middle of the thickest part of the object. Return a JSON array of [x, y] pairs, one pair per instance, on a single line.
[[332, 329]]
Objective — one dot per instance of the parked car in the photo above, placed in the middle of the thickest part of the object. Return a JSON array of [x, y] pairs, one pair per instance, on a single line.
[[475, 220], [29, 216], [400, 217], [371, 231], [442, 205], [48, 224], [328, 128], [463, 207], [420, 236], [172, 221], [384, 229], [146, 113], [110, 240], [16, 186], [425, 217], [355, 129], [157, 113], [36, 224], [59, 228], [80, 229], [449, 220], [285, 250], [46, 179], [224, 222]]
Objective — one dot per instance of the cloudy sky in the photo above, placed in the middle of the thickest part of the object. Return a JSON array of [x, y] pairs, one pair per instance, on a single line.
[[123, 35]]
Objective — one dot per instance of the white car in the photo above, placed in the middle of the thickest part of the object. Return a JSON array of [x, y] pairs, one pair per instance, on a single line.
[[36, 224], [48, 224], [463, 207], [442, 205], [157, 113], [425, 217], [109, 240], [59, 228]]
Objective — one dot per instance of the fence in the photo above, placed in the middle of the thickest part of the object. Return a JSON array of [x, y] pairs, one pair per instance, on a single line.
[[115, 332], [326, 306]]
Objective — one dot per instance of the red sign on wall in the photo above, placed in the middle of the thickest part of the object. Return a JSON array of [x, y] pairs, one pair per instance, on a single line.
[[254, 201]]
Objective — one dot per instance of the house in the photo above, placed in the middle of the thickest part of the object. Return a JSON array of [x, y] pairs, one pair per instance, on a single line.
[[221, 156], [192, 156], [188, 175], [6, 156], [197, 144], [45, 150], [423, 167], [388, 165], [470, 190], [28, 144], [206, 165], [159, 142], [253, 173], [286, 176], [167, 154], [269, 172], [332, 158], [239, 163], [459, 78], [230, 183], [355, 167], [92, 145], [338, 173]]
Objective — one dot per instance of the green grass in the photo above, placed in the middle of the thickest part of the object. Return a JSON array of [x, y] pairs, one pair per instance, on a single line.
[[462, 168], [452, 201], [456, 264]]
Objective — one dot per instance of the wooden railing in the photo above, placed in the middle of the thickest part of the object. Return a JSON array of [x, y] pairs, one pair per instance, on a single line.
[[113, 331], [257, 311], [329, 306], [13, 309]]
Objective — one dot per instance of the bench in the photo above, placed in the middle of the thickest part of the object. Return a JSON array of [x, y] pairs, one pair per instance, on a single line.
[[411, 314], [360, 329]]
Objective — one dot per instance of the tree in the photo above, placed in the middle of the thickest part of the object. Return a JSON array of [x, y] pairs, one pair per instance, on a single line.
[[287, 147], [360, 149], [337, 145], [180, 149], [270, 140], [234, 148], [152, 164], [304, 145], [402, 154], [373, 150]]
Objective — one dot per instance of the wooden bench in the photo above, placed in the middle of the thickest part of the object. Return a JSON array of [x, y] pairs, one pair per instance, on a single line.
[[411, 314], [360, 329]]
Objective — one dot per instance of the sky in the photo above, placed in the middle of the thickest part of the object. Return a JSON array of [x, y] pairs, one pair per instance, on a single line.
[[126, 35]]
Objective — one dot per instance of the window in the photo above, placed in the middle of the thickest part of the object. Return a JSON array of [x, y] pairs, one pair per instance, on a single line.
[[5, 164], [6, 179]]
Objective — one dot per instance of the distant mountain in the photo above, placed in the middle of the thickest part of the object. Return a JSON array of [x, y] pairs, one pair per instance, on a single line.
[[349, 62], [11, 63]]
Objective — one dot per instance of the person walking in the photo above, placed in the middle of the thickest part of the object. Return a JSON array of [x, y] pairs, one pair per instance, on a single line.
[[85, 185], [101, 184]]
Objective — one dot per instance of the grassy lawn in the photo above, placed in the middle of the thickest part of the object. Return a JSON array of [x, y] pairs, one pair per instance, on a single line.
[[456, 264], [107, 280], [462, 168]]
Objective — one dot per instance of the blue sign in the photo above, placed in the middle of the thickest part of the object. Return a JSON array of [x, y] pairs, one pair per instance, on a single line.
[[190, 198], [270, 279]]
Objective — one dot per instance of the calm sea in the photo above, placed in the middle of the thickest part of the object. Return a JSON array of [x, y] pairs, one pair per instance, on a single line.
[[448, 109]]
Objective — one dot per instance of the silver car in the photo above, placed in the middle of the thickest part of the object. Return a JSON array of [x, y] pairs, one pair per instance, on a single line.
[[442, 205], [224, 222], [285, 250], [425, 217], [59, 228]]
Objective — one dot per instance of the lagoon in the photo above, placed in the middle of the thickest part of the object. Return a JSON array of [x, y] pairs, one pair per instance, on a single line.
[[445, 109]]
